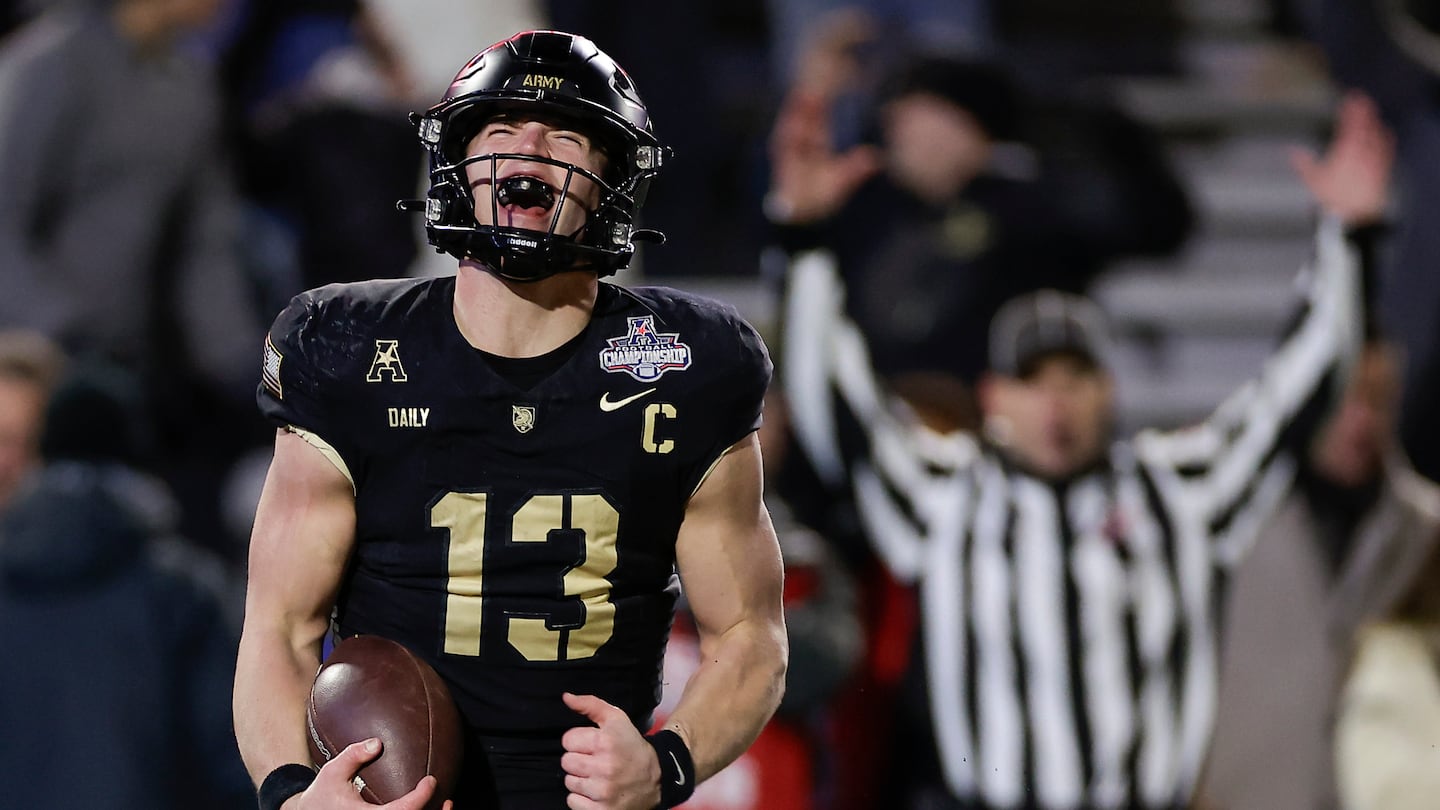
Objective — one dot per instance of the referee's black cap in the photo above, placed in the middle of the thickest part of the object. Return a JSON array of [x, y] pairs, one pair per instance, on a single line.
[[1037, 325]]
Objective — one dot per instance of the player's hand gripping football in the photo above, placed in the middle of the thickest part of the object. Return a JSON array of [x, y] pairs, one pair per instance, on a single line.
[[609, 766], [334, 786]]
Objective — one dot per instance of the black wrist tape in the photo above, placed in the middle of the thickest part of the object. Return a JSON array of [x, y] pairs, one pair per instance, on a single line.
[[284, 782], [677, 769]]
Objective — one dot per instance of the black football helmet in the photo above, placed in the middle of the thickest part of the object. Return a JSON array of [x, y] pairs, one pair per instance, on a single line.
[[562, 77]]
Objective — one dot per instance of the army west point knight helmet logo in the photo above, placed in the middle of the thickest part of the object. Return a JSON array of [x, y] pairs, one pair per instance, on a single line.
[[523, 417]]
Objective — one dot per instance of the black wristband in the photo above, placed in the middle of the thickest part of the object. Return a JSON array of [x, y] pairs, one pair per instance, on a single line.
[[677, 769], [284, 782]]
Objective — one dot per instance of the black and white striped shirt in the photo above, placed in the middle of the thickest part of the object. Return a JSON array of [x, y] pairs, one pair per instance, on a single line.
[[1069, 627]]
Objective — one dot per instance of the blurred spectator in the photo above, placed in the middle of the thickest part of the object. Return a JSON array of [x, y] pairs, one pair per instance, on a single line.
[[1339, 554], [1390, 49], [1387, 740], [1069, 582], [119, 238], [119, 653], [1060, 41], [1048, 40], [968, 199], [431, 37], [315, 89], [956, 26], [29, 366], [705, 82]]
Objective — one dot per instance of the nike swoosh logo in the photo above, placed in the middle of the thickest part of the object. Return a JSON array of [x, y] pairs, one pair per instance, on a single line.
[[607, 405], [679, 780]]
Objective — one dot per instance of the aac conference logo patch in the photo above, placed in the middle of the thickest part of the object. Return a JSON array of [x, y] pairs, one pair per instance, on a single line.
[[644, 353]]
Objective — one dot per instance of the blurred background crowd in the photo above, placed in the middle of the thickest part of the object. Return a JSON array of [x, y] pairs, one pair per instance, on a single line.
[[175, 170]]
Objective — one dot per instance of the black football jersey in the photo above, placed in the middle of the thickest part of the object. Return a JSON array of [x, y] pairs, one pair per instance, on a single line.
[[522, 541]]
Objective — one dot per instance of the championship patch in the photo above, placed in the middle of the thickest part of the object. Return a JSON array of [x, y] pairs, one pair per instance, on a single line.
[[644, 353], [270, 369]]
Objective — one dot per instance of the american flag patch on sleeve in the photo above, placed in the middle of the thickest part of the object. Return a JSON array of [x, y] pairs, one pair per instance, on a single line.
[[270, 369]]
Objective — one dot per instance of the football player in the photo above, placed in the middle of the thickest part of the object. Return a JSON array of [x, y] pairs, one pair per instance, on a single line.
[[512, 469]]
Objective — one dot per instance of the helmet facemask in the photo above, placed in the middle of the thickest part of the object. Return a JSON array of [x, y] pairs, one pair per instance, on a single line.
[[551, 77], [601, 241]]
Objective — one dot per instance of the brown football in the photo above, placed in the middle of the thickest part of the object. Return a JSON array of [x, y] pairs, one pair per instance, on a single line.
[[374, 687]]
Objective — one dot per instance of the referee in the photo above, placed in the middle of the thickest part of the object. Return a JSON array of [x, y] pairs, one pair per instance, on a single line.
[[1069, 582]]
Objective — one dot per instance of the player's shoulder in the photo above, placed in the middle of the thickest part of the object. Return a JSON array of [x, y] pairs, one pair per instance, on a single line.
[[338, 321], [677, 303], [718, 324], [366, 300], [355, 308]]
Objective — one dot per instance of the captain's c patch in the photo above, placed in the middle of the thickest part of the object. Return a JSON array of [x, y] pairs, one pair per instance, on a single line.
[[270, 369]]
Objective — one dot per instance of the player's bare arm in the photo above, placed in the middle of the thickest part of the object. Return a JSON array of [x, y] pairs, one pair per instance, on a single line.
[[728, 547], [304, 529], [735, 597]]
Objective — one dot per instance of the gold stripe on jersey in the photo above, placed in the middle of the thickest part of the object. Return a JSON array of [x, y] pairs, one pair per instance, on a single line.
[[330, 453]]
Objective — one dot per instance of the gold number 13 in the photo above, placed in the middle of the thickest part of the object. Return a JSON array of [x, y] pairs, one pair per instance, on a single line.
[[464, 514]]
